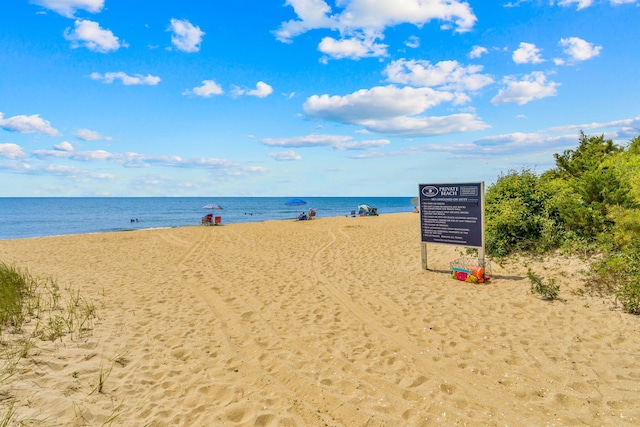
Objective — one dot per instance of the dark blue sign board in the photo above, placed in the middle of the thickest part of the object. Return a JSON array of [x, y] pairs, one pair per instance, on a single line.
[[452, 214]]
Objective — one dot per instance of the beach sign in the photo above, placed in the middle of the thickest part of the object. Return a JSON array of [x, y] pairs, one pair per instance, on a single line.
[[452, 214]]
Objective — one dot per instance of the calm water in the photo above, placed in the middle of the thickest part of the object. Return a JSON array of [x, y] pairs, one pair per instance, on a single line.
[[36, 217]]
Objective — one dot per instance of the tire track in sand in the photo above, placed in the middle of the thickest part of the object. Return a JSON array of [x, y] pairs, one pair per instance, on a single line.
[[253, 347], [399, 345]]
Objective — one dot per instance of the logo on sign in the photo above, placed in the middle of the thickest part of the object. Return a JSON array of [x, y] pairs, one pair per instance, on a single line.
[[429, 191]]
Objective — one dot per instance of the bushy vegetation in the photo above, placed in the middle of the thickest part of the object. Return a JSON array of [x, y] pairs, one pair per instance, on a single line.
[[588, 204]]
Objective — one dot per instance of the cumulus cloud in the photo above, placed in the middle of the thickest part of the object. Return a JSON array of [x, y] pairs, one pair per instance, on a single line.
[[90, 135], [206, 90], [262, 90], [136, 79], [425, 126], [67, 8], [11, 151], [90, 35], [578, 49], [352, 48], [412, 42], [185, 36], [28, 124], [307, 141], [391, 110], [627, 127], [533, 86], [527, 53], [478, 51], [581, 4], [381, 102], [447, 75], [63, 146], [285, 156], [140, 160], [337, 142], [361, 22]]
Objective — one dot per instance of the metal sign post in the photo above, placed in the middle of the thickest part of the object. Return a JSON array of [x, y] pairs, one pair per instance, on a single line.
[[452, 214]]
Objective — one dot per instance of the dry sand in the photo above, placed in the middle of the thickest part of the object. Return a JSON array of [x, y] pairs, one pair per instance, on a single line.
[[330, 322]]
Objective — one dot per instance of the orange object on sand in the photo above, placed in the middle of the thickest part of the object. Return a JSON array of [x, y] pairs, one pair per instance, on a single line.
[[478, 272]]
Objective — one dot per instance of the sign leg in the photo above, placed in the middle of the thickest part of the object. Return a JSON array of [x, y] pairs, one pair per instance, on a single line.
[[424, 257]]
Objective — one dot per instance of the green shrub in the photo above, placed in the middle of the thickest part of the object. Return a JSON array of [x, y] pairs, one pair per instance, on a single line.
[[628, 295], [516, 217]]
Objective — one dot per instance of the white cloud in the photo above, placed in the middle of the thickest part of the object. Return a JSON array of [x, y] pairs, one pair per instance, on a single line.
[[68, 8], [381, 102], [312, 14], [352, 48], [626, 126], [366, 20], [338, 142], [581, 3], [392, 111], [28, 124], [139, 160], [186, 36], [448, 75], [362, 145], [527, 53], [412, 42], [425, 126], [90, 35], [578, 49], [90, 135], [262, 90], [307, 141], [478, 51], [285, 156], [533, 86], [11, 151], [206, 90], [137, 79], [63, 146]]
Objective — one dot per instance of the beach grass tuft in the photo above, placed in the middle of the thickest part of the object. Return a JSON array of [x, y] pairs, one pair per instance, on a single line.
[[33, 309]]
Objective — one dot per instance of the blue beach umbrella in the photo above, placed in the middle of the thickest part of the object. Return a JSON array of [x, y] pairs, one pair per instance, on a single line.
[[212, 206], [295, 202]]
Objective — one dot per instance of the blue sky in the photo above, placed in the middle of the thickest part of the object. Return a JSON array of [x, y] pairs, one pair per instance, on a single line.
[[304, 97]]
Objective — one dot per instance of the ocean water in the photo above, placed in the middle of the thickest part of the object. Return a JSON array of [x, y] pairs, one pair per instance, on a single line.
[[23, 217]]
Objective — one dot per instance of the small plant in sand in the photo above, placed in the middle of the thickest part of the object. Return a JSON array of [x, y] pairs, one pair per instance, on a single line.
[[102, 378], [7, 418], [548, 291]]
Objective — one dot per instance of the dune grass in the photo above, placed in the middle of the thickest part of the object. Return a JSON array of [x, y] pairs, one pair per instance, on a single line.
[[32, 309]]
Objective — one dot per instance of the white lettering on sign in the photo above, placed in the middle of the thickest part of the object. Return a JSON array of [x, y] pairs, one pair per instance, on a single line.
[[448, 191]]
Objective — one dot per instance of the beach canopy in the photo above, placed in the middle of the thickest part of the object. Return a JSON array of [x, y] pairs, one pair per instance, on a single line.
[[295, 202], [212, 206]]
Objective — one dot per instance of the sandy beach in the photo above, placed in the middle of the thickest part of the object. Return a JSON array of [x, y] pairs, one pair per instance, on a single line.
[[329, 322]]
